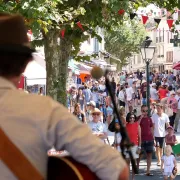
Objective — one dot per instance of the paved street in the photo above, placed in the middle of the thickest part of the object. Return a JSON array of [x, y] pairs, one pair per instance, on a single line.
[[154, 168]]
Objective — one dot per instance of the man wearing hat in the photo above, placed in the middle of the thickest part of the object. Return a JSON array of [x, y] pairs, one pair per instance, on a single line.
[[96, 125], [177, 119], [37, 123]]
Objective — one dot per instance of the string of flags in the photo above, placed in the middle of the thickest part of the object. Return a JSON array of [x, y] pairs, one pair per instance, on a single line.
[[121, 12]]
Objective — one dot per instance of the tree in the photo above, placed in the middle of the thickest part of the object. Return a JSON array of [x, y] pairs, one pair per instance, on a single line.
[[125, 40], [46, 18], [168, 4]]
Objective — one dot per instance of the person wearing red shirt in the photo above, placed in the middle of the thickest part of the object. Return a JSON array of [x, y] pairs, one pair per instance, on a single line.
[[163, 92], [147, 137], [134, 132]]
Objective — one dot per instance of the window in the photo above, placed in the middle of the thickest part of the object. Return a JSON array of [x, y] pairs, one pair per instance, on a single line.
[[169, 56], [157, 39], [139, 59], [161, 39], [96, 45], [167, 37]]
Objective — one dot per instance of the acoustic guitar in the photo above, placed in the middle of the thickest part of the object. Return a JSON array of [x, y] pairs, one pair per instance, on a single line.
[[66, 168]]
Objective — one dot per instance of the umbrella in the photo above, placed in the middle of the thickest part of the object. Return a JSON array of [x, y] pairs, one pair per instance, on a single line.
[[177, 66]]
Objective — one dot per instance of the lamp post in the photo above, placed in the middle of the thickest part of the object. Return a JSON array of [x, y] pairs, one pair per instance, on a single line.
[[147, 52]]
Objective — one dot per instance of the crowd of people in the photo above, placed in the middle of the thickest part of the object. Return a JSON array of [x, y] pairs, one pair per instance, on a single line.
[[91, 103]]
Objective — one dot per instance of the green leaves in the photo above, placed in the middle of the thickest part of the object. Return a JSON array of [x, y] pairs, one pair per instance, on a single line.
[[123, 40]]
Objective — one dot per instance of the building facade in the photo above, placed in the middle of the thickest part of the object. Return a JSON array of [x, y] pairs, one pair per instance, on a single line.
[[166, 53]]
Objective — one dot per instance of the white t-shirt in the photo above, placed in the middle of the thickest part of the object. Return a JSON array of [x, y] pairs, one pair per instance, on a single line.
[[98, 127], [154, 94], [129, 93], [159, 124], [178, 99]]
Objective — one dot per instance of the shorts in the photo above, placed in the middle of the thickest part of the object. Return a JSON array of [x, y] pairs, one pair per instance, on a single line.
[[144, 101], [134, 150], [159, 142], [147, 146]]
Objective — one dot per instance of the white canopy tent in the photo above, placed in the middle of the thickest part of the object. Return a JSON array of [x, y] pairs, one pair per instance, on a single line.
[[35, 74]]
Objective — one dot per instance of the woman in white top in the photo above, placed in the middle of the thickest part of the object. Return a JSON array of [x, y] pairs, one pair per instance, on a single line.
[[122, 96]]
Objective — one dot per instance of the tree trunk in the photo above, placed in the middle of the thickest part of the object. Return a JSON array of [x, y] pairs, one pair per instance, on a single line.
[[57, 53]]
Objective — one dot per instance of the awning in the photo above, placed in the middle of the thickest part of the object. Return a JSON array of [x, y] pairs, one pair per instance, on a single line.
[[83, 69], [73, 66], [176, 66], [35, 74]]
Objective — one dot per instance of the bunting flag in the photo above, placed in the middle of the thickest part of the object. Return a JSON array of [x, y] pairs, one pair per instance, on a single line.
[[80, 25], [170, 23], [63, 33], [29, 34], [132, 15], [157, 21], [121, 11], [144, 19]]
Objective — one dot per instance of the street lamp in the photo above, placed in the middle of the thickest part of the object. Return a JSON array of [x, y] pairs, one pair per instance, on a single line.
[[147, 52]]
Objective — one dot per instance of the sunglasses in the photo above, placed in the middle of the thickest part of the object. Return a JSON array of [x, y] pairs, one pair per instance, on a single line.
[[132, 117], [95, 114], [145, 111]]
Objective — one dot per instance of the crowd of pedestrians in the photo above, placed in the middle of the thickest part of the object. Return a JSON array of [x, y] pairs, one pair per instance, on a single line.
[[92, 105]]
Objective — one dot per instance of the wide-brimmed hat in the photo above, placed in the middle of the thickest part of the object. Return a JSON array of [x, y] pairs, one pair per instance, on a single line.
[[95, 110], [178, 91], [172, 92], [154, 84], [143, 81], [92, 103], [13, 35]]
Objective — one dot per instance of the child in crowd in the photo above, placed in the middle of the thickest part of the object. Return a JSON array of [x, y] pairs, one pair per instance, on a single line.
[[168, 161], [170, 138]]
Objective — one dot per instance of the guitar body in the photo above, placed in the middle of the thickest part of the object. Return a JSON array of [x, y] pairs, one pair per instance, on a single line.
[[66, 168]]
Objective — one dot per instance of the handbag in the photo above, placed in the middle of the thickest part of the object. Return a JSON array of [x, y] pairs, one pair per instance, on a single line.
[[111, 126], [169, 111]]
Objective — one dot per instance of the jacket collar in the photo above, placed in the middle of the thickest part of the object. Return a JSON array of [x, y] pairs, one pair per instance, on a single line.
[[5, 84]]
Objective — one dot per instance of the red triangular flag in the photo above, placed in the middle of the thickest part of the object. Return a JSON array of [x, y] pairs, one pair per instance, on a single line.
[[80, 25], [121, 11], [62, 33], [144, 18], [170, 23]]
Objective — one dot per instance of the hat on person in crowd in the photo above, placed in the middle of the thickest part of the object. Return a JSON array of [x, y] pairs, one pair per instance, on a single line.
[[95, 110], [172, 92], [135, 80], [178, 91], [92, 103], [130, 76], [143, 81], [154, 85], [96, 82], [88, 103], [159, 104], [169, 127], [17, 41]]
